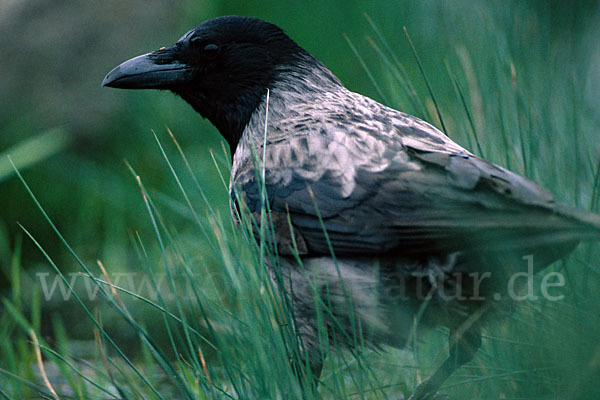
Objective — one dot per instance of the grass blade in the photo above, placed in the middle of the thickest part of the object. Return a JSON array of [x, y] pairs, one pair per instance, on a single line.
[[435, 103]]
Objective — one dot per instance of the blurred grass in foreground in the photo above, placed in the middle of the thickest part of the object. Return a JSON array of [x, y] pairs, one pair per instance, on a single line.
[[210, 325]]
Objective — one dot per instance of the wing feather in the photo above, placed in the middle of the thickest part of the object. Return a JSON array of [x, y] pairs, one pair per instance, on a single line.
[[393, 183]]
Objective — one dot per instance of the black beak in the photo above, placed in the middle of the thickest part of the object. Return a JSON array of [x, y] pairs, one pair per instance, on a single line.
[[157, 70]]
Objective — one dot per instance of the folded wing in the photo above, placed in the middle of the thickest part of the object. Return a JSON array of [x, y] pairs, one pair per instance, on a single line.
[[395, 184]]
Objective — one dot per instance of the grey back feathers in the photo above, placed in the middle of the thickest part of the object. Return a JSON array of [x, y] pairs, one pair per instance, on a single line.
[[381, 180]]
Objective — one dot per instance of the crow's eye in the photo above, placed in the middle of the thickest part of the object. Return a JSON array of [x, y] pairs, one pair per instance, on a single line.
[[211, 50]]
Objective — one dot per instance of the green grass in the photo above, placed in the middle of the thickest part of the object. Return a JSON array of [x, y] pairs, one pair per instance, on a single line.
[[207, 323]]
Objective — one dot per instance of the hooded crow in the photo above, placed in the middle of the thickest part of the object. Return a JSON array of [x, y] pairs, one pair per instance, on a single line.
[[391, 220]]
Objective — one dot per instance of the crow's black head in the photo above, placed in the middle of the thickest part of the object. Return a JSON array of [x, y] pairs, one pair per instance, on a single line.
[[222, 67]]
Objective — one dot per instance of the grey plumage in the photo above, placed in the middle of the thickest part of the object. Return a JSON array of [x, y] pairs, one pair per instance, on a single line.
[[382, 181], [404, 208]]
